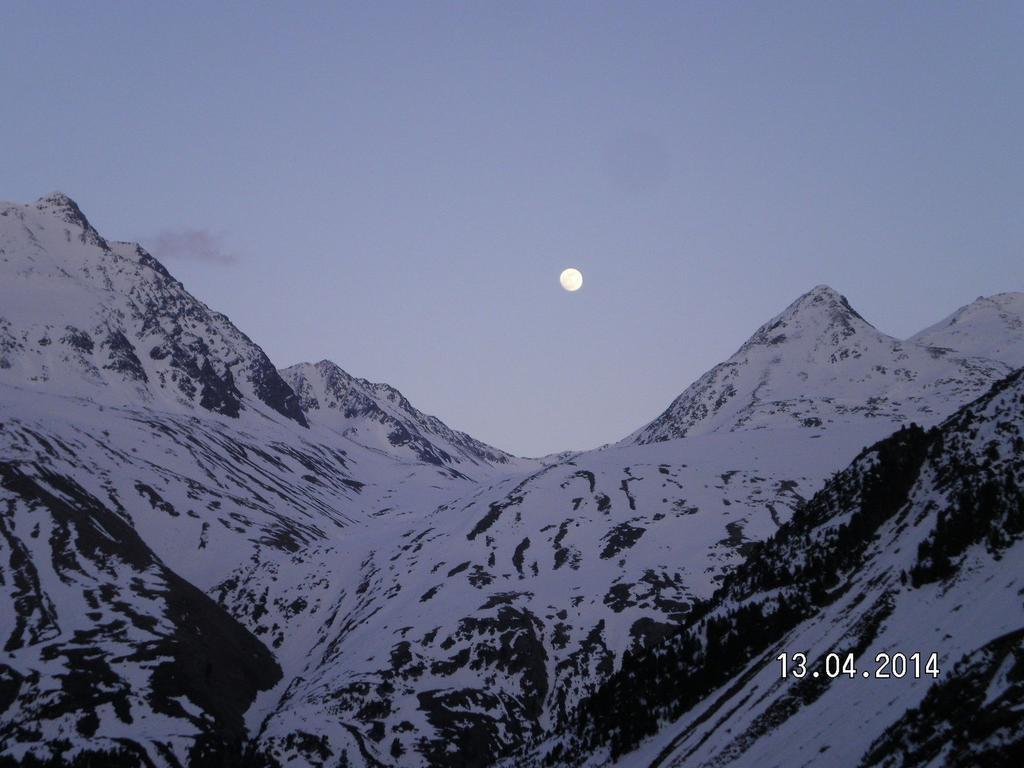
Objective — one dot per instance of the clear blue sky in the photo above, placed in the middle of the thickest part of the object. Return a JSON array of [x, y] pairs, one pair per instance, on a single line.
[[396, 186]]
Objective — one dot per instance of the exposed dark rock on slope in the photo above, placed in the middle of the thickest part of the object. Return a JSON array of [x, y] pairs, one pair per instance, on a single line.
[[303, 568], [883, 559], [100, 319]]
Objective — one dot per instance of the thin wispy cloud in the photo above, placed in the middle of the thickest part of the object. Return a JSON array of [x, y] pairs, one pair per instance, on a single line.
[[193, 245]]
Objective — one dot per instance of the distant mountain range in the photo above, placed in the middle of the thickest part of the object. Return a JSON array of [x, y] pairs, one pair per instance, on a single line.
[[207, 561]]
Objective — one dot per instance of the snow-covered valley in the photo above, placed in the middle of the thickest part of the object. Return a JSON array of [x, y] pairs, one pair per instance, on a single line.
[[205, 560]]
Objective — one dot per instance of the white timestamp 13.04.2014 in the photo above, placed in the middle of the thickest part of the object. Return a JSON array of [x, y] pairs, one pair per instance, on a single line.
[[887, 666]]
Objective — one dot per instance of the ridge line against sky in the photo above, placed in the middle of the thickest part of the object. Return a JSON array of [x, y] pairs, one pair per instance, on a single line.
[[397, 187]]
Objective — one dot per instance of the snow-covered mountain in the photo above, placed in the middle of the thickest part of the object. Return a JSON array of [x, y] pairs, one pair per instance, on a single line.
[[206, 561], [915, 548], [81, 315], [989, 327], [148, 451], [820, 364], [480, 624], [507, 607], [378, 416]]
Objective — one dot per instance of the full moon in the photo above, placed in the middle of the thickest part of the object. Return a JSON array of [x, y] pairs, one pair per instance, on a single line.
[[571, 279]]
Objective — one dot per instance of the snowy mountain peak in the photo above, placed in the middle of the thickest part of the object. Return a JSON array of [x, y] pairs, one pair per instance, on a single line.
[[104, 320], [822, 314], [380, 417], [341, 382], [823, 293], [58, 199], [827, 300], [67, 209], [990, 326], [819, 362]]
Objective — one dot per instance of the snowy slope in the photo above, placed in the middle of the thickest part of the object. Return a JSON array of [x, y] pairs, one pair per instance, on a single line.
[[820, 364], [194, 501], [104, 320], [364, 581], [484, 623], [463, 633], [916, 547], [131, 496], [990, 326], [102, 640], [378, 416]]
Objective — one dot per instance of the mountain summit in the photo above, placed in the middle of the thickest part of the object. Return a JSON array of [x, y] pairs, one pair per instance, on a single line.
[[819, 362], [103, 320], [380, 417], [821, 316], [67, 209], [990, 326]]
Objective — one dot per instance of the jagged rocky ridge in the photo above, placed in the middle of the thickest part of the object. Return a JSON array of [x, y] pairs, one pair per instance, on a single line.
[[427, 599]]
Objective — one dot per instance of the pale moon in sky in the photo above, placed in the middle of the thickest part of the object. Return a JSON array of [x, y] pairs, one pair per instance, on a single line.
[[571, 279]]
